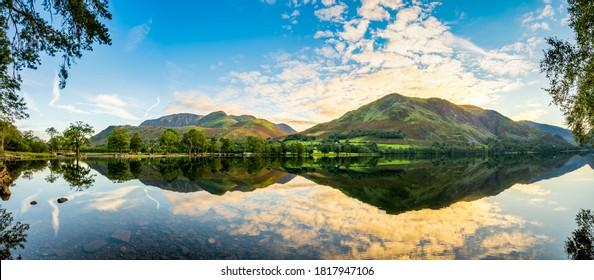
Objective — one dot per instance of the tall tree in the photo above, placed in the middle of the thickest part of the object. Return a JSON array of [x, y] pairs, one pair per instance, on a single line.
[[77, 135], [51, 131], [570, 70], [169, 139], [118, 139], [195, 141], [69, 28], [135, 142]]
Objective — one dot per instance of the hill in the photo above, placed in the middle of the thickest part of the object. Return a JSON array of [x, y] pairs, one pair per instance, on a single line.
[[216, 124], [406, 120], [218, 119], [555, 130]]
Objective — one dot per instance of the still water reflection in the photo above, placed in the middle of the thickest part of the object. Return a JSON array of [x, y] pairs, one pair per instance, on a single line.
[[274, 208]]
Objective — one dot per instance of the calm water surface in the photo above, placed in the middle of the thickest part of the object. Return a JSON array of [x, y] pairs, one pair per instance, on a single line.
[[357, 208]]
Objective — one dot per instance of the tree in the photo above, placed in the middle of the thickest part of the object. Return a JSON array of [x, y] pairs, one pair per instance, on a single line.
[[26, 35], [118, 139], [135, 143], [11, 236], [77, 135], [570, 70], [580, 246], [169, 139], [226, 145], [51, 131], [195, 140]]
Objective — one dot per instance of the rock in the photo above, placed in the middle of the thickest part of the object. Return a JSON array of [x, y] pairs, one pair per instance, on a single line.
[[123, 249], [185, 250], [94, 246], [122, 235], [212, 240], [33, 202], [62, 199]]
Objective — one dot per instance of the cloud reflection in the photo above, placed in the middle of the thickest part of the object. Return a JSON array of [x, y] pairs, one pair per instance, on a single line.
[[301, 215]]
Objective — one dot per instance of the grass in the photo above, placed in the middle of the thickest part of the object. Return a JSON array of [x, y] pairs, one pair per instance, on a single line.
[[394, 162], [394, 146], [9, 154]]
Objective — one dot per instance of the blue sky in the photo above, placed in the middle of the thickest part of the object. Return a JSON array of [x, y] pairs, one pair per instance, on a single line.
[[301, 62]]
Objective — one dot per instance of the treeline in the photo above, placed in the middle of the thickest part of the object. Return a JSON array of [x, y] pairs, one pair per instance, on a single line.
[[381, 134], [195, 142], [492, 147]]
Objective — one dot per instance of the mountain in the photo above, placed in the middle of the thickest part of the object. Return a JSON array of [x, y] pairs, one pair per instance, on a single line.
[[286, 128], [555, 130], [425, 121], [176, 120], [216, 124], [217, 119]]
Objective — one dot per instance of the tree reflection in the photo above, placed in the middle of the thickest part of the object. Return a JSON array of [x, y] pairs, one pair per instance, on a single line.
[[78, 176], [580, 246], [117, 171], [11, 237]]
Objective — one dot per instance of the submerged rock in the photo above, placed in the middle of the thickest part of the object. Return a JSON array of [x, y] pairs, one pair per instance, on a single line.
[[122, 235], [62, 199], [94, 246]]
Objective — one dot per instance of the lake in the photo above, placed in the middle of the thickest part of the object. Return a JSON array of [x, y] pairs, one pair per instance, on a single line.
[[521, 207]]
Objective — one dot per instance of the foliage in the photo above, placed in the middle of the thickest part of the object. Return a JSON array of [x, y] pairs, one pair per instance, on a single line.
[[118, 140], [77, 135], [135, 143], [299, 137], [382, 134], [26, 35], [570, 70], [52, 132], [11, 236], [195, 141], [580, 246], [169, 140]]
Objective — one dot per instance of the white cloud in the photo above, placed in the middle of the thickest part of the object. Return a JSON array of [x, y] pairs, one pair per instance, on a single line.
[[377, 10], [270, 2], [530, 115], [548, 11], [137, 34], [56, 97], [152, 106], [539, 25], [31, 103], [111, 105], [323, 34], [333, 13]]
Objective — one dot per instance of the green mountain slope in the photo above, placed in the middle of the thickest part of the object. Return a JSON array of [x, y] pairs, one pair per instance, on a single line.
[[215, 127], [425, 121]]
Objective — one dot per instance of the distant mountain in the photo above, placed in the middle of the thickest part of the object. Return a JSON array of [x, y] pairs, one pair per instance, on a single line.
[[176, 120], [286, 128], [555, 130], [425, 121], [217, 119], [216, 124]]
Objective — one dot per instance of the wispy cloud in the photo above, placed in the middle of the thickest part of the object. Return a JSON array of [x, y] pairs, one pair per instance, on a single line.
[[56, 97], [31, 103], [152, 106], [137, 34], [111, 105]]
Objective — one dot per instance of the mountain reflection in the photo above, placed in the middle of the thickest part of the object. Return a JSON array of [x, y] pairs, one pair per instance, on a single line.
[[392, 185]]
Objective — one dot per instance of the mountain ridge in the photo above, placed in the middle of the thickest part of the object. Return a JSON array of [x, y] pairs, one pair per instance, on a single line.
[[426, 121]]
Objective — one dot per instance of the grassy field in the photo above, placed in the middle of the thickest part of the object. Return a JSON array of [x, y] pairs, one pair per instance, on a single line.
[[10, 154], [394, 146]]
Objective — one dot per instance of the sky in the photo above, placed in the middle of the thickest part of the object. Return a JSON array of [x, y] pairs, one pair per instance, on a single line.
[[301, 62]]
